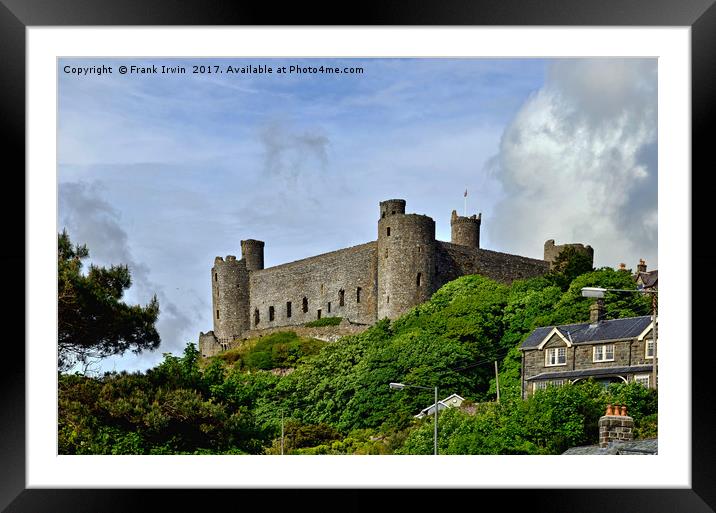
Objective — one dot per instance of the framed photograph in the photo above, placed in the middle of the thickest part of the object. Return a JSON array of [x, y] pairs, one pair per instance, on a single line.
[[162, 138]]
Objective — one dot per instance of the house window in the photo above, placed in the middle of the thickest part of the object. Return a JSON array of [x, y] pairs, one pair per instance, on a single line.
[[539, 385], [642, 379], [329, 307], [388, 231], [256, 317], [556, 356], [358, 295], [305, 304], [318, 315], [417, 280], [288, 309], [271, 313], [604, 353], [341, 297], [649, 349]]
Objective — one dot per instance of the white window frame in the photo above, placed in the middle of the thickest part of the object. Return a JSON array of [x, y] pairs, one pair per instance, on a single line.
[[648, 356], [555, 351], [643, 376], [604, 353]]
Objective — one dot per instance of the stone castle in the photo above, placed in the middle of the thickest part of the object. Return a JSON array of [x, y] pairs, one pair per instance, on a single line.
[[361, 284]]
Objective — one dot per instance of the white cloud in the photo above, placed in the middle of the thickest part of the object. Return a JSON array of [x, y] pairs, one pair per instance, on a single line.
[[578, 163]]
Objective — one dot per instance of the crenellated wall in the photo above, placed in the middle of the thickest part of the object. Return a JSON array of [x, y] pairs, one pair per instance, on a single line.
[[363, 283]]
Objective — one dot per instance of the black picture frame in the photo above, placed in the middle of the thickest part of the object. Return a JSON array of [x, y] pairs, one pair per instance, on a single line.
[[17, 15]]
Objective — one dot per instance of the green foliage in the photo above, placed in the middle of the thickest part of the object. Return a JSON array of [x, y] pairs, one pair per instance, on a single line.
[[569, 264], [324, 321], [337, 400], [549, 422], [93, 322], [276, 350]]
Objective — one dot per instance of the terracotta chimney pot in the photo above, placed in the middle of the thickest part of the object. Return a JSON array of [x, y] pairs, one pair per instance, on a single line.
[[609, 409], [624, 410]]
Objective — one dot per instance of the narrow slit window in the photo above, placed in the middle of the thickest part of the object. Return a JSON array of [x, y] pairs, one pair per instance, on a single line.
[[383, 214], [417, 280], [386, 252], [388, 231], [217, 314], [341, 297], [216, 277], [305, 304], [387, 299], [358, 290], [271, 313], [288, 309], [318, 315], [256, 317], [329, 307]]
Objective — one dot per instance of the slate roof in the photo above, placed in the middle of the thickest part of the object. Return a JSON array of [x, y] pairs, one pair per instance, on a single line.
[[594, 372], [647, 446], [649, 278], [586, 333]]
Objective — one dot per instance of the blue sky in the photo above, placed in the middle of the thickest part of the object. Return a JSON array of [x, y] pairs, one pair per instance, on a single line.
[[165, 172]]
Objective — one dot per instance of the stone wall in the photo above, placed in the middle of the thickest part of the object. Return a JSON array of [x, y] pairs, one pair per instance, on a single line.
[[552, 251], [320, 280], [455, 260]]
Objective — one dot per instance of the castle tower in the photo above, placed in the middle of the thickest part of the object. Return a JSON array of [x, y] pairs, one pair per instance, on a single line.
[[392, 207], [552, 251], [406, 259], [465, 231], [230, 297], [252, 251]]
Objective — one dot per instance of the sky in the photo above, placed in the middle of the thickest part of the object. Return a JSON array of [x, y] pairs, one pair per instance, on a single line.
[[164, 172]]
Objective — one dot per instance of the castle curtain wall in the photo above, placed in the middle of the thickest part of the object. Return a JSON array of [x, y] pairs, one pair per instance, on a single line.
[[320, 280]]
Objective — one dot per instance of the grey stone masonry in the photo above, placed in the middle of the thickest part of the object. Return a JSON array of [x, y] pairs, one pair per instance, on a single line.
[[383, 278], [615, 428]]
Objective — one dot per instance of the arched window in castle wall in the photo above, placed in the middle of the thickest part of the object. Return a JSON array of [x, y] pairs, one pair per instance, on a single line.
[[271, 313], [341, 297], [358, 290], [305, 304], [256, 317]]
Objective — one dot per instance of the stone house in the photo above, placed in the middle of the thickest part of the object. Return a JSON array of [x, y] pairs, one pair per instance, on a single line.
[[618, 350]]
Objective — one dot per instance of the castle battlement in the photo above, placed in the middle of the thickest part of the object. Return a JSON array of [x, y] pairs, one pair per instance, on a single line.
[[383, 278]]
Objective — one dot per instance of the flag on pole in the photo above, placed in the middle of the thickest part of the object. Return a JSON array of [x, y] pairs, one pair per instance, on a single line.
[[465, 193]]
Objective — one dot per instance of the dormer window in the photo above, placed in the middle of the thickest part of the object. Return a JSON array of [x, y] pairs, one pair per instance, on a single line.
[[555, 356]]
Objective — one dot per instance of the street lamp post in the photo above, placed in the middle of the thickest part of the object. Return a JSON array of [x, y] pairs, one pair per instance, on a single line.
[[599, 292], [400, 386]]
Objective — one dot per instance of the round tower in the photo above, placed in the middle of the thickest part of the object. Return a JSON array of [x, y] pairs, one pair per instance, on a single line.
[[230, 298], [406, 260], [392, 207], [252, 251], [465, 231]]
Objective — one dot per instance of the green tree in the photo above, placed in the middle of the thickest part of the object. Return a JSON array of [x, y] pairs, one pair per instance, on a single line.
[[93, 322]]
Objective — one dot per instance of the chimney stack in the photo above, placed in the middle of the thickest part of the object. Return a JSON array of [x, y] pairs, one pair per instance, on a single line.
[[622, 266], [642, 266], [615, 426], [597, 311]]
